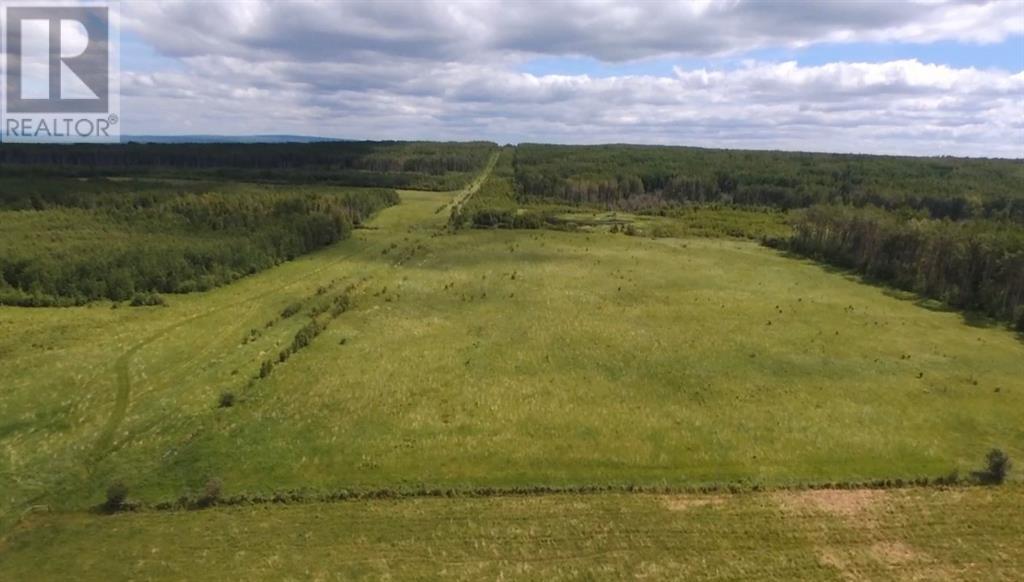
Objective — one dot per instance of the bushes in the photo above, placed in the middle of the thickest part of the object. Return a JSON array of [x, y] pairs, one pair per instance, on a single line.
[[302, 338], [291, 310], [336, 306], [117, 495], [211, 493], [458, 219], [226, 400], [147, 299], [505, 218], [340, 304], [306, 335], [266, 368], [492, 218], [528, 220], [997, 466]]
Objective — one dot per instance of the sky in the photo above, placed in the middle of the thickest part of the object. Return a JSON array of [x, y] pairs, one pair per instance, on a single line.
[[928, 77]]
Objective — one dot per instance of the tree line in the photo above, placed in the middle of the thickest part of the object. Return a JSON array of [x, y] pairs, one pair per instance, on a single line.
[[174, 242], [946, 228], [632, 177], [417, 165], [973, 265]]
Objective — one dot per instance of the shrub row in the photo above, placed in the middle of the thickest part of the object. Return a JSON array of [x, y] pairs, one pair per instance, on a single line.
[[997, 467], [338, 304]]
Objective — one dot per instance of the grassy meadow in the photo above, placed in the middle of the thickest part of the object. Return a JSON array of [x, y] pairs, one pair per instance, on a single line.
[[505, 359], [970, 534]]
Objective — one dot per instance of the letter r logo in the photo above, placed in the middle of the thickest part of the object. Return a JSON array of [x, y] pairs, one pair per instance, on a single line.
[[58, 59]]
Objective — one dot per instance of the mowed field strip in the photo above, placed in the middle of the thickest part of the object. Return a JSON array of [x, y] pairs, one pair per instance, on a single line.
[[913, 534]]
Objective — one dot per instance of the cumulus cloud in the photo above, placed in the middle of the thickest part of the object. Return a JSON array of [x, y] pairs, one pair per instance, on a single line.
[[607, 30], [450, 71]]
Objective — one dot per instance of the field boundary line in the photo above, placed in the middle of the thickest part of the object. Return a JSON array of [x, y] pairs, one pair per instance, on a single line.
[[301, 497]]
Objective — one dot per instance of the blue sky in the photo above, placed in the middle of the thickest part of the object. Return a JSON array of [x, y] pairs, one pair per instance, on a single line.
[[927, 77], [1007, 55], [138, 56]]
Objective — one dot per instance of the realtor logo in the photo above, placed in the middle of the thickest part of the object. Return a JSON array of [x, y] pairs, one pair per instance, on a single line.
[[61, 79]]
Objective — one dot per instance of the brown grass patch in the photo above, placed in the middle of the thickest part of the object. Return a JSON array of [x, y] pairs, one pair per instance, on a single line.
[[687, 502], [893, 553], [858, 505]]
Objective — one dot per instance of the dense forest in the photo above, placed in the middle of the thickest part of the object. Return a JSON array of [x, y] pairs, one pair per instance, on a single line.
[[85, 222], [640, 177], [70, 241], [975, 265], [947, 228], [413, 165]]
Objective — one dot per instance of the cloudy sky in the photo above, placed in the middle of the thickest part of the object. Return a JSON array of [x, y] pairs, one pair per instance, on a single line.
[[905, 77]]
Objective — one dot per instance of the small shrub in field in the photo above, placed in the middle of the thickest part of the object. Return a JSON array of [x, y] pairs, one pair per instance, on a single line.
[[117, 493], [493, 218], [227, 400], [147, 299], [997, 465], [266, 368], [306, 335], [952, 478], [291, 310], [253, 334], [527, 220], [211, 492]]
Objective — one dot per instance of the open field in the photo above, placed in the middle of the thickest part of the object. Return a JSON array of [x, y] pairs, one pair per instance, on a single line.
[[496, 358], [811, 535], [511, 360]]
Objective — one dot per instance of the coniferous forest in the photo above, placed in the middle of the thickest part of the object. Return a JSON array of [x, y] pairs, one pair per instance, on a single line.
[[127, 222], [414, 165]]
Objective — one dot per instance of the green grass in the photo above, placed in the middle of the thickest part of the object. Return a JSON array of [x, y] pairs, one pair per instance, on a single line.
[[496, 358], [492, 358], [829, 535]]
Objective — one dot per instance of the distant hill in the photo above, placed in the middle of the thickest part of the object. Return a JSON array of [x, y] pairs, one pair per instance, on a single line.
[[224, 139]]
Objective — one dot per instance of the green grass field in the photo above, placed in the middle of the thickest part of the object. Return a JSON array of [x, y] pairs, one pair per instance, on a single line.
[[971, 534], [496, 358]]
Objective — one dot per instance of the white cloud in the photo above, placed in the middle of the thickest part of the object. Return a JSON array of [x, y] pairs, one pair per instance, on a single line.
[[607, 30], [449, 71]]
